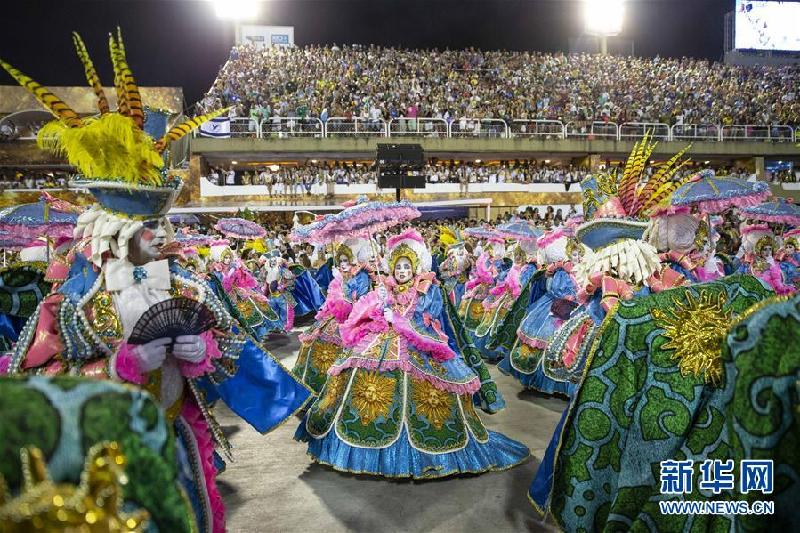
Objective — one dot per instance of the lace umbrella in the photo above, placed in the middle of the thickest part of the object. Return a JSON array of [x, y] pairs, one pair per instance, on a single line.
[[711, 194], [39, 219], [779, 211], [239, 228], [361, 219], [482, 232], [518, 229]]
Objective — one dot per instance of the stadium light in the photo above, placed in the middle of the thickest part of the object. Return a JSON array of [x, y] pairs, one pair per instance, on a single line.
[[236, 9], [604, 17]]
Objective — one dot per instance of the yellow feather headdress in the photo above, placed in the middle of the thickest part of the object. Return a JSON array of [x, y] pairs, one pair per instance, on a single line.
[[112, 147]]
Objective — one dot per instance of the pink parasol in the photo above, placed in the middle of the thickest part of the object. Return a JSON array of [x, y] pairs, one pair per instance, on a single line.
[[361, 219], [239, 228]]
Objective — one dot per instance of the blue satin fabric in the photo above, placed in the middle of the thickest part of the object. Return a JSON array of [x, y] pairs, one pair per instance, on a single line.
[[542, 484], [536, 380], [324, 275], [402, 460], [262, 392], [358, 285], [10, 326], [307, 295], [82, 276]]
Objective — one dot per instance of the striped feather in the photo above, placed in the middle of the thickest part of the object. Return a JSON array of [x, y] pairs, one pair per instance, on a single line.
[[119, 85], [186, 127], [662, 193], [664, 173], [633, 172], [132, 96], [52, 102], [91, 74]]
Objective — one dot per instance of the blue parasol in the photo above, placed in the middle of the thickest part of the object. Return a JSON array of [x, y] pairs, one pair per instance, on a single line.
[[184, 219], [712, 194], [519, 229], [779, 210]]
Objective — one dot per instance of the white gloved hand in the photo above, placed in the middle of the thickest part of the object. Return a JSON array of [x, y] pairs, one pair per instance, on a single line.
[[190, 348], [151, 355], [382, 292], [388, 315]]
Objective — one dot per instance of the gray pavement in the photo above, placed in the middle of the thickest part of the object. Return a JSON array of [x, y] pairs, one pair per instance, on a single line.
[[273, 486]]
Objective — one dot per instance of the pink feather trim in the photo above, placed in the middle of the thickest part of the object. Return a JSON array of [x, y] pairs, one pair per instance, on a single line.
[[550, 237], [470, 387], [205, 449], [754, 228], [127, 365], [510, 284], [409, 234], [717, 206], [366, 317], [482, 274], [438, 349]]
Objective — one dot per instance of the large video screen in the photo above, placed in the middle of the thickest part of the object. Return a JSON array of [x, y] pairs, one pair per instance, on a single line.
[[767, 25]]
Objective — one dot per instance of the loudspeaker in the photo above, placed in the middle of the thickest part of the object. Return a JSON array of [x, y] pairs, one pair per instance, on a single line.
[[396, 156], [400, 181]]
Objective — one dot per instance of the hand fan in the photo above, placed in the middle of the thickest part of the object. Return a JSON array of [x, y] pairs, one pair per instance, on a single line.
[[172, 318]]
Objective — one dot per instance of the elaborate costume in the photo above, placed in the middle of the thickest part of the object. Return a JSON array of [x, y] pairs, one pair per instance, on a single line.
[[89, 325], [454, 270], [252, 308], [546, 314], [322, 344], [399, 403]]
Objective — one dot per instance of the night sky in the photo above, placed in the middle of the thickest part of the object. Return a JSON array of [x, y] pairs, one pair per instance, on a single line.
[[182, 43]]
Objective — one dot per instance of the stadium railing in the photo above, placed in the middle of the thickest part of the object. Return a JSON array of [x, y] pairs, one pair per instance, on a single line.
[[549, 129], [695, 132], [479, 127], [636, 130], [336, 126], [418, 127], [286, 127]]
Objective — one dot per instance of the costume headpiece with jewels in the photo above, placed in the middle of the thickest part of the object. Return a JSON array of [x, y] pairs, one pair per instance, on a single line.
[[357, 250], [619, 206], [120, 164], [411, 245]]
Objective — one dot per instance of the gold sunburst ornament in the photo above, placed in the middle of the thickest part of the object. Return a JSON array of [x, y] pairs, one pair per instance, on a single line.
[[372, 395], [695, 329], [432, 403]]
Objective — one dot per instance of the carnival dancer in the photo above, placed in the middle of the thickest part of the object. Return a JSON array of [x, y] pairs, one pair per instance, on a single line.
[[559, 254], [489, 269], [399, 403], [117, 273], [682, 240], [248, 304], [761, 264], [620, 266], [455, 268], [502, 298], [322, 344], [278, 285], [789, 257]]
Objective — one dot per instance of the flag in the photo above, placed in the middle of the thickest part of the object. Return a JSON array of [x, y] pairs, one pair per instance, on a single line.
[[219, 128]]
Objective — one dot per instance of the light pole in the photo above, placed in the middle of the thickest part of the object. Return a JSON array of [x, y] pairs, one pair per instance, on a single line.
[[603, 18]]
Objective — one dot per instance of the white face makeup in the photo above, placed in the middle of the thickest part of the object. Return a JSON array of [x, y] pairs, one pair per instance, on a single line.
[[402, 270], [576, 256], [790, 249], [146, 243], [766, 252], [344, 263]]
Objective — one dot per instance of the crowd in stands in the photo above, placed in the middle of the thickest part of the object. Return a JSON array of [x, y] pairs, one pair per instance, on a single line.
[[311, 178], [17, 179], [374, 82]]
